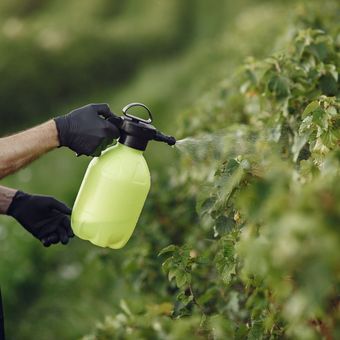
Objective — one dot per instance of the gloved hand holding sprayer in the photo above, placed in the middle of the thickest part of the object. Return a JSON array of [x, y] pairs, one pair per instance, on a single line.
[[115, 185], [108, 219]]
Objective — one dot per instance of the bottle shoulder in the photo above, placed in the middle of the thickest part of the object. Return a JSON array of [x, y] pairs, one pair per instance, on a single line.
[[117, 161]]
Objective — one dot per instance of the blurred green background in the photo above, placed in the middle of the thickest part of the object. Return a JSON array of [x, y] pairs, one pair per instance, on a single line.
[[56, 55]]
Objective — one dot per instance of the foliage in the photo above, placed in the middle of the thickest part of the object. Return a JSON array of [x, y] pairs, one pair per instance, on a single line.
[[262, 259]]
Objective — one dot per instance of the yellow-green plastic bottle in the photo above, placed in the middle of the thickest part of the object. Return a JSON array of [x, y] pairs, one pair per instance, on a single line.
[[116, 184], [111, 197]]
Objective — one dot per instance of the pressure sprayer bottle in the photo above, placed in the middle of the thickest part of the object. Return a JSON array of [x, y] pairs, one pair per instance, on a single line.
[[116, 184]]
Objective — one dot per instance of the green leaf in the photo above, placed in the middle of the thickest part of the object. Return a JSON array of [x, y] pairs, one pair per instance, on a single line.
[[172, 274], [279, 86], [223, 225], [306, 124], [320, 118], [332, 70], [181, 278], [328, 85], [167, 264], [168, 249], [206, 205], [311, 107], [319, 50], [227, 273]]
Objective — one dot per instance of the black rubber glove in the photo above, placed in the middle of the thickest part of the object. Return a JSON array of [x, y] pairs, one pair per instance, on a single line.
[[86, 130], [43, 216]]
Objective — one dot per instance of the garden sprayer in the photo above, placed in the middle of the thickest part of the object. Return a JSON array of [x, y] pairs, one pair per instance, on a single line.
[[116, 183]]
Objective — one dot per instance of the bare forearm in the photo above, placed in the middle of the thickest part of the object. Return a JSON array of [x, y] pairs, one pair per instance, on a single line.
[[6, 196], [20, 149]]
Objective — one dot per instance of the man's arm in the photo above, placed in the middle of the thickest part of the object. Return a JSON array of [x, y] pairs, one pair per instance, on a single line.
[[85, 131], [20, 149]]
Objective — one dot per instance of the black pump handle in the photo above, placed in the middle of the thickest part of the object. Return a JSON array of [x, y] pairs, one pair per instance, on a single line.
[[127, 107]]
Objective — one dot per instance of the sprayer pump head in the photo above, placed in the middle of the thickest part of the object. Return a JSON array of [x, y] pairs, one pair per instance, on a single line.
[[136, 132]]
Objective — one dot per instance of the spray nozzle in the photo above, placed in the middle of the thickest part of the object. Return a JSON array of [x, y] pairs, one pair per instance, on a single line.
[[164, 138], [137, 132]]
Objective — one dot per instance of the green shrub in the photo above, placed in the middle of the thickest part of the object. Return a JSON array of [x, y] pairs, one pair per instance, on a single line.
[[260, 259]]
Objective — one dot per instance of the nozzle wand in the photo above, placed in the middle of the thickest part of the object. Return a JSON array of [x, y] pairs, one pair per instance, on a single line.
[[170, 140]]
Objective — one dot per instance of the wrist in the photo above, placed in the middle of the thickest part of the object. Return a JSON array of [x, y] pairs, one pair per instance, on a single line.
[[61, 127], [6, 198], [18, 200], [47, 134], [53, 133]]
